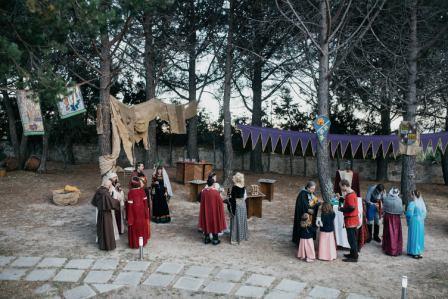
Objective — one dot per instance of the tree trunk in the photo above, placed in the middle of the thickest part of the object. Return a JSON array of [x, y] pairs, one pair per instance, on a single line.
[[256, 164], [408, 162], [151, 154], [228, 150], [11, 123], [43, 159], [256, 159], [323, 165], [105, 81], [444, 155], [23, 151], [381, 162], [192, 148]]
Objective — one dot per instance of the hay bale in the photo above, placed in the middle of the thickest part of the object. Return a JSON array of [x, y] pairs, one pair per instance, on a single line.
[[62, 198]]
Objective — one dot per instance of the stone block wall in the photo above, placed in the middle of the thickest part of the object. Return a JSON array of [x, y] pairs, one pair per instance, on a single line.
[[88, 153]]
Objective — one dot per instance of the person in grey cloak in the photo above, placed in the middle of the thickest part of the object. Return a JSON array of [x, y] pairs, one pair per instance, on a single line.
[[238, 214], [392, 232]]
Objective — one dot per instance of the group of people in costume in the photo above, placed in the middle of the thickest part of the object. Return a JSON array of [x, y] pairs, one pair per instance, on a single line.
[[312, 214], [212, 220], [144, 202]]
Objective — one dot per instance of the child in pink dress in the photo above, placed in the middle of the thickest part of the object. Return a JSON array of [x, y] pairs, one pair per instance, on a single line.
[[306, 246], [327, 243]]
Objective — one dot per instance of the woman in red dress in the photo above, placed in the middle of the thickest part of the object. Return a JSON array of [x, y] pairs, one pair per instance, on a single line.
[[137, 214]]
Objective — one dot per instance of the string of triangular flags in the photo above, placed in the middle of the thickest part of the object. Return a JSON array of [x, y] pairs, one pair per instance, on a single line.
[[388, 143]]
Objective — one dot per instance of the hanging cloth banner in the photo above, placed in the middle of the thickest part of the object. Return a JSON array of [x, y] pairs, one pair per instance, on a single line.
[[71, 104], [322, 127], [30, 113], [347, 143], [409, 139]]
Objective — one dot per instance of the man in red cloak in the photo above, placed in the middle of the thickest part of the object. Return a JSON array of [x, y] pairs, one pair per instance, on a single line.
[[137, 214], [211, 214]]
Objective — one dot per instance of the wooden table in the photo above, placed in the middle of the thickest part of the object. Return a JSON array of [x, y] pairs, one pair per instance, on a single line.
[[196, 186], [189, 171], [254, 205], [267, 187]]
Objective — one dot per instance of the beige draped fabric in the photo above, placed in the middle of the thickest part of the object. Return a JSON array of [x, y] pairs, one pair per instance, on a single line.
[[130, 125]]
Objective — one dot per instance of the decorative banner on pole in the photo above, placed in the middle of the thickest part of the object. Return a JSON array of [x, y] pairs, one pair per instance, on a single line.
[[322, 127], [409, 138], [30, 113], [71, 104]]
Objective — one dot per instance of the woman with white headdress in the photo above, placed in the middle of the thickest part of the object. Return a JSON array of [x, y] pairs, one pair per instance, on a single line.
[[118, 194], [238, 213], [160, 191], [392, 232]]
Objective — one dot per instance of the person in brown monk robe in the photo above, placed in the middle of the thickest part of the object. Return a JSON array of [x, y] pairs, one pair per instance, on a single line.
[[104, 202]]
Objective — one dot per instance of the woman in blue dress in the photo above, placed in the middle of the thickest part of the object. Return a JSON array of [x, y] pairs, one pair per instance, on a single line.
[[415, 217]]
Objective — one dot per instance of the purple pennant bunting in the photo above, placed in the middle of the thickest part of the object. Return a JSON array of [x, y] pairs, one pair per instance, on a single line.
[[284, 138], [432, 140], [365, 148], [395, 146], [245, 133], [255, 136], [313, 141], [275, 137], [444, 141], [294, 139], [333, 146], [304, 140], [354, 144], [376, 144], [264, 140], [344, 146], [425, 143]]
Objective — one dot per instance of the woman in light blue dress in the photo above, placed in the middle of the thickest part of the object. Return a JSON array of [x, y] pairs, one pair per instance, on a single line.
[[415, 217]]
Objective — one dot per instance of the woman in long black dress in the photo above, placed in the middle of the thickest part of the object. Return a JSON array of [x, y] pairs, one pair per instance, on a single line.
[[159, 193], [304, 204]]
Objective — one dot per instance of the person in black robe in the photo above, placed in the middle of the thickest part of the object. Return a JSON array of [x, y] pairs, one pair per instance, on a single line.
[[104, 202], [303, 205], [159, 193]]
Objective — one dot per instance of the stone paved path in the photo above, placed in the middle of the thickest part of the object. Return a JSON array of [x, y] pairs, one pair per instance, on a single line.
[[87, 278]]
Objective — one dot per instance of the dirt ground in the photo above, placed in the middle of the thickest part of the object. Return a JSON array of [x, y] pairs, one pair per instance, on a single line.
[[31, 225]]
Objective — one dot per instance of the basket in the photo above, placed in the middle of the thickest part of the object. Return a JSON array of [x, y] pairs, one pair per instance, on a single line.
[[62, 198]]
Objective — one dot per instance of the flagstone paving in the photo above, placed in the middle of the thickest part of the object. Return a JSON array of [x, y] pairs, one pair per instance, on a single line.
[[86, 278]]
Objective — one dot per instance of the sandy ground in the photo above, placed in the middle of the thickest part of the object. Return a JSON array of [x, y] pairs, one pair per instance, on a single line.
[[30, 225]]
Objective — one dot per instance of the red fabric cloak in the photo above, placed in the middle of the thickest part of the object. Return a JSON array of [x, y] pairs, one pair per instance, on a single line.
[[211, 214], [138, 217]]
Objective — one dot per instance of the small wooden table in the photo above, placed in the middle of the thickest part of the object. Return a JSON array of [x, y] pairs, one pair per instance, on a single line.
[[267, 187], [254, 205], [196, 186], [189, 171]]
